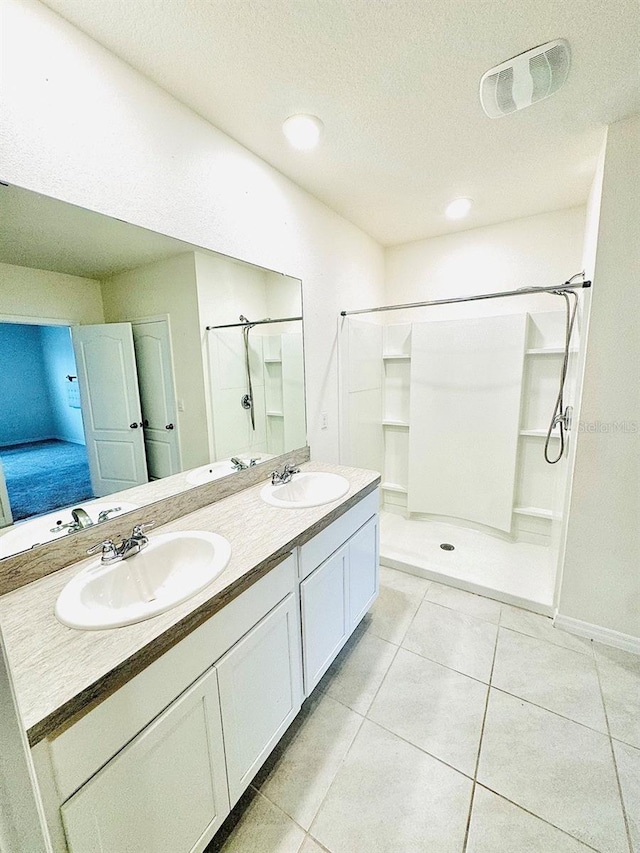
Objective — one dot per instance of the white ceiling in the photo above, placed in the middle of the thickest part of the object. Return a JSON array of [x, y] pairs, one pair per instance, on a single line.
[[395, 83]]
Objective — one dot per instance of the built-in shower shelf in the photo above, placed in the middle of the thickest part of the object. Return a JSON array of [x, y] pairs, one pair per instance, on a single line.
[[394, 487], [273, 361], [395, 356], [393, 423], [535, 511], [537, 433], [547, 351], [275, 414]]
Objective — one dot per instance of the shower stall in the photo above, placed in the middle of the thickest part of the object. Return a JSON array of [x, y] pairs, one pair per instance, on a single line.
[[465, 407], [256, 378]]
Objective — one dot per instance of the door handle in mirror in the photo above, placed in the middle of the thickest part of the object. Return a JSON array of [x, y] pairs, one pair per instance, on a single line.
[[145, 424], [169, 426]]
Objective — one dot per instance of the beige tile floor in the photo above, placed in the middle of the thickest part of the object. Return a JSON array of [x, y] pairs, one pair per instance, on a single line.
[[454, 724]]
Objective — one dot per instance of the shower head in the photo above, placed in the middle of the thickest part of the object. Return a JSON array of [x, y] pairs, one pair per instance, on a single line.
[[243, 319]]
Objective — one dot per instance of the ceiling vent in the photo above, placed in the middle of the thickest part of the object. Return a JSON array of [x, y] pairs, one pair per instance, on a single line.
[[524, 79]]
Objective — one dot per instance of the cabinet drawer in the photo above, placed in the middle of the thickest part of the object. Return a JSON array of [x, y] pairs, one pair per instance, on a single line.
[[166, 792], [316, 550], [260, 692], [79, 751]]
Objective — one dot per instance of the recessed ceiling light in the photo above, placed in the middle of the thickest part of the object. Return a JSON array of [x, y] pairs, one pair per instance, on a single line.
[[458, 208], [303, 131]]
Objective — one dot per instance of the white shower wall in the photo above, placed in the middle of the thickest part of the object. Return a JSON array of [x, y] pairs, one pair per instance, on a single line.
[[376, 363]]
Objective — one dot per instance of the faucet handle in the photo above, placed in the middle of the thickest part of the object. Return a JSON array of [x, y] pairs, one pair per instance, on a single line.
[[139, 529], [104, 514], [107, 546]]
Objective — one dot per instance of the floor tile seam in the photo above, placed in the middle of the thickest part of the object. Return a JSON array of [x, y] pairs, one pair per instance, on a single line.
[[467, 828], [279, 808], [450, 668], [418, 747], [486, 787], [338, 769], [549, 643], [482, 725], [628, 743], [384, 678], [315, 841], [625, 816], [543, 640], [370, 630], [461, 612], [604, 734], [486, 709]]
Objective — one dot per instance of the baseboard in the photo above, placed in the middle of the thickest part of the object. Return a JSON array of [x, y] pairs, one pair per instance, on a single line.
[[606, 636]]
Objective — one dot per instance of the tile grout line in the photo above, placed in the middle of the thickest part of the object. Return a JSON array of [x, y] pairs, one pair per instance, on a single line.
[[484, 720], [549, 711], [364, 719], [625, 817], [537, 817]]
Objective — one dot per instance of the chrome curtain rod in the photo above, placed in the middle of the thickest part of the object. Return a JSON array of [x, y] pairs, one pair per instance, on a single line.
[[521, 292], [253, 323]]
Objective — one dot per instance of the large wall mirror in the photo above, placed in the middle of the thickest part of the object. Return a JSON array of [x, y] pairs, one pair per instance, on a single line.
[[133, 366]]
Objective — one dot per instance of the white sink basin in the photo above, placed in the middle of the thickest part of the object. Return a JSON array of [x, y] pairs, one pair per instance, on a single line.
[[26, 534], [172, 568], [215, 470], [310, 488]]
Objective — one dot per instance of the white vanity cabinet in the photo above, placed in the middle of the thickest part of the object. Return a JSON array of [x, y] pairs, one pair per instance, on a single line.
[[166, 792], [260, 692], [157, 766], [337, 593]]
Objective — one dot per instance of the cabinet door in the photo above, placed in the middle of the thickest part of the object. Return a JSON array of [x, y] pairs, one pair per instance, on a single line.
[[364, 572], [166, 792], [325, 616], [260, 692]]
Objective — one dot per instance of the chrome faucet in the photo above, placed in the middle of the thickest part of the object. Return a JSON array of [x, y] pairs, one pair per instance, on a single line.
[[81, 520], [239, 465], [133, 544], [278, 478]]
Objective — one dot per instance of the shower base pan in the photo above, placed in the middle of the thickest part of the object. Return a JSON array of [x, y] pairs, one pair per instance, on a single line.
[[516, 573]]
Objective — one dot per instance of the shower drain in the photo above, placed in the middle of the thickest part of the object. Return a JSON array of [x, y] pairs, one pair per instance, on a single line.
[[446, 547]]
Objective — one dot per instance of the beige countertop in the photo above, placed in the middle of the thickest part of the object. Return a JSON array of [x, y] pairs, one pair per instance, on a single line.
[[61, 672]]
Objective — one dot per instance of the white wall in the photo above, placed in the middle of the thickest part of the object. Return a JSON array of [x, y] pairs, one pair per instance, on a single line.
[[601, 580], [41, 294], [539, 250], [169, 287], [534, 251], [81, 125]]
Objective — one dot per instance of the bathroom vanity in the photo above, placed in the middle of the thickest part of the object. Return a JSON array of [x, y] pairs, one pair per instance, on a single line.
[[144, 737]]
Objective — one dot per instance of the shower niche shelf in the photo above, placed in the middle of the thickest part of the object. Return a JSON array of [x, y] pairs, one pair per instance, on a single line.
[[395, 356], [537, 433], [394, 487], [533, 511], [547, 351], [390, 422]]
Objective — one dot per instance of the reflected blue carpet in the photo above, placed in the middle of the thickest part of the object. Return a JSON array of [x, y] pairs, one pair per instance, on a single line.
[[44, 475]]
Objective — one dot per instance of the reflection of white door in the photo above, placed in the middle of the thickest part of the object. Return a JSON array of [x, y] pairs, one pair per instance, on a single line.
[[5, 507], [110, 405], [158, 397]]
